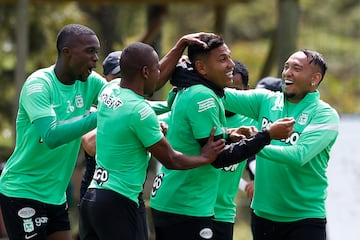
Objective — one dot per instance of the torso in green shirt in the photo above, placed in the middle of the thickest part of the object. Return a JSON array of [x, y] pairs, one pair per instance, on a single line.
[[127, 125], [225, 207], [34, 171], [190, 192], [291, 181]]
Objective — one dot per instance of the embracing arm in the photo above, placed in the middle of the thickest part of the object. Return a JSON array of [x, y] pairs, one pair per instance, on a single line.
[[245, 148], [173, 159], [54, 134], [318, 136], [308, 146], [88, 142]]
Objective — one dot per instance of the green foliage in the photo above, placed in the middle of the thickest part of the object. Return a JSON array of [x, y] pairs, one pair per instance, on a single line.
[[332, 28]]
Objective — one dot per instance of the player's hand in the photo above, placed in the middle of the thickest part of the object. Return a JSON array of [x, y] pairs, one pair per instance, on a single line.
[[249, 189], [194, 38], [236, 134], [164, 127], [282, 128]]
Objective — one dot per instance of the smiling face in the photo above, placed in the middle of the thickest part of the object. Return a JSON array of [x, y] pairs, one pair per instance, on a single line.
[[300, 77], [217, 66], [82, 56]]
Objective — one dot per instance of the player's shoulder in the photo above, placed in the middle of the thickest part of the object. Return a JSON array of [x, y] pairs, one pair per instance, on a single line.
[[327, 110], [200, 91], [40, 79]]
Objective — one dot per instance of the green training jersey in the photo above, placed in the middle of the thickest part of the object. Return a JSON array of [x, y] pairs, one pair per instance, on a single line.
[[126, 126], [195, 111], [291, 182], [35, 171], [225, 207]]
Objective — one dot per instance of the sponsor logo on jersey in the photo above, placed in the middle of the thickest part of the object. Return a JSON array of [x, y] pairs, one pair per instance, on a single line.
[[109, 101], [100, 176], [294, 137], [231, 168], [157, 184], [70, 108]]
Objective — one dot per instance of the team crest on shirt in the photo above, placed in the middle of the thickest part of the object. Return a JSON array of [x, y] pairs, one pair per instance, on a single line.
[[79, 101], [303, 118]]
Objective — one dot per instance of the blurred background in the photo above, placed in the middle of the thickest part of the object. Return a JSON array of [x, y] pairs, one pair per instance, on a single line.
[[260, 33]]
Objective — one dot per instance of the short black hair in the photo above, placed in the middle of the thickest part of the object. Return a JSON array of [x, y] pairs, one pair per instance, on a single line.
[[196, 50], [317, 59], [242, 70], [134, 57], [271, 83], [65, 35]]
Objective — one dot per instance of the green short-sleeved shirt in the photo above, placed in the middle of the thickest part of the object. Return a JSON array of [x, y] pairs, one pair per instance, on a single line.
[[225, 207], [291, 182], [127, 125], [34, 171], [190, 192]]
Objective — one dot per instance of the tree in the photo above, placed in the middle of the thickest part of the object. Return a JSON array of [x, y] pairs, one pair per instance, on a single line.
[[284, 38]]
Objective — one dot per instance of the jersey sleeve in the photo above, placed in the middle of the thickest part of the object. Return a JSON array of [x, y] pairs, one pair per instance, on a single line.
[[159, 107], [35, 99], [320, 134], [204, 114], [145, 125], [244, 102]]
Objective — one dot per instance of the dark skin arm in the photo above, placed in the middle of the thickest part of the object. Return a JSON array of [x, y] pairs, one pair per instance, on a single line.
[[173, 159], [169, 61]]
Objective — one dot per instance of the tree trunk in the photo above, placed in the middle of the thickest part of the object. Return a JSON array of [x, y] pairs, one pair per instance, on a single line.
[[220, 20], [287, 31]]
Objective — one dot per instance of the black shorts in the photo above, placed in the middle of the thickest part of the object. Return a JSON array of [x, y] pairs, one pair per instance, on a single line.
[[180, 227], [223, 230], [306, 229], [105, 214], [30, 219]]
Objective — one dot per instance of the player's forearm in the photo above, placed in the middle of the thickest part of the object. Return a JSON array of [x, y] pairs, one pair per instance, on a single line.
[[169, 61], [54, 134], [241, 150]]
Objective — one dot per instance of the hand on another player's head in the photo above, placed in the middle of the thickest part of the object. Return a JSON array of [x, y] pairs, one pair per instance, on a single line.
[[194, 38]]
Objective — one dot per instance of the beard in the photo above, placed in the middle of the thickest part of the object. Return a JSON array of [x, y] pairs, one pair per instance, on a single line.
[[290, 95]]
